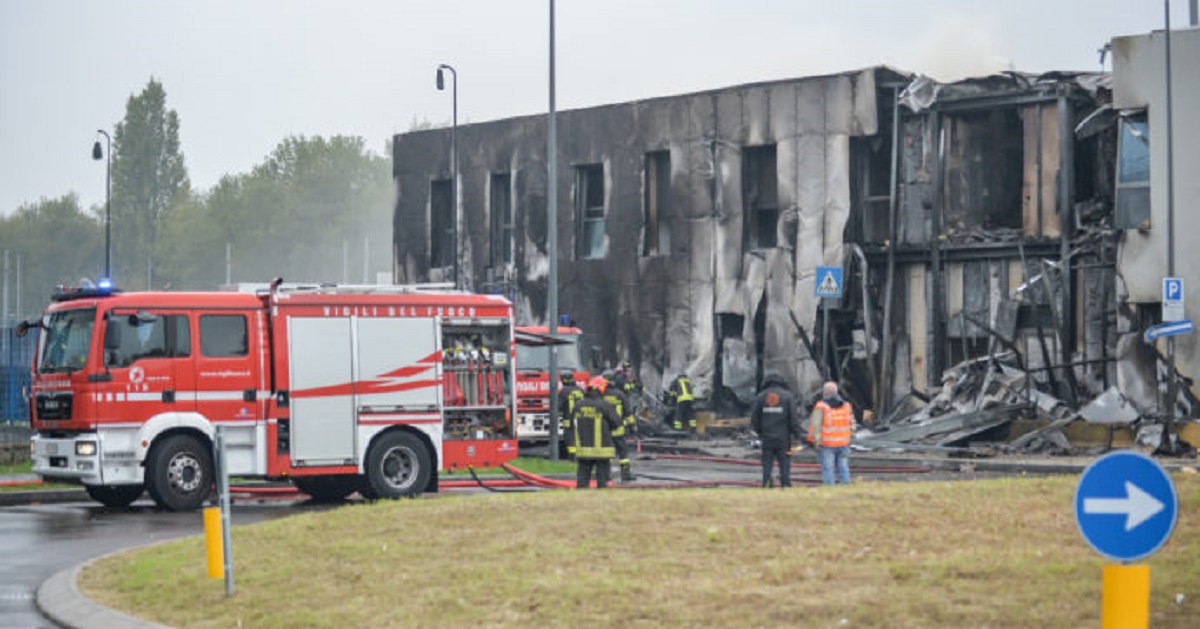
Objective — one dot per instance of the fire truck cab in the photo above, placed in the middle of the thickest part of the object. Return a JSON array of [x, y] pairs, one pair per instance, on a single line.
[[534, 380], [338, 389]]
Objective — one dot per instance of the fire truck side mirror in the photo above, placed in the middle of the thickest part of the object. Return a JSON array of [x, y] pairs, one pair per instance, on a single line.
[[112, 334], [24, 327]]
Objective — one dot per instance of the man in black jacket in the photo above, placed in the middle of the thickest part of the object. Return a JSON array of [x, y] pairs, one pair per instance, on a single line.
[[775, 418]]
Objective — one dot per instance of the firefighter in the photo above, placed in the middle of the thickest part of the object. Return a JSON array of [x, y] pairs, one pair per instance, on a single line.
[[681, 396], [568, 395], [593, 421], [628, 385], [628, 424]]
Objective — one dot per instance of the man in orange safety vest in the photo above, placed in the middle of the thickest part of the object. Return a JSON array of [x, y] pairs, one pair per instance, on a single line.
[[830, 428]]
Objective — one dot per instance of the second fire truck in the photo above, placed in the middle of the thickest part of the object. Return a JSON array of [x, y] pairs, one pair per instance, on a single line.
[[533, 377]]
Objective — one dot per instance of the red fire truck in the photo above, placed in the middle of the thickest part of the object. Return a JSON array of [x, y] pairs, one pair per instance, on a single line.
[[533, 377], [339, 389]]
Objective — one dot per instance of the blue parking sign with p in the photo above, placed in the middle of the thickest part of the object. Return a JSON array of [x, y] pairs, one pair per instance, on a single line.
[[1173, 308], [1172, 289]]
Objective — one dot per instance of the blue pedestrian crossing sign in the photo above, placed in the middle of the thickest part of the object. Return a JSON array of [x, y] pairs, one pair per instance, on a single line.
[[829, 281], [1125, 505]]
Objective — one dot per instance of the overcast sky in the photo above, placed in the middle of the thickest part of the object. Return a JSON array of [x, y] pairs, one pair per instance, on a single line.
[[244, 74]]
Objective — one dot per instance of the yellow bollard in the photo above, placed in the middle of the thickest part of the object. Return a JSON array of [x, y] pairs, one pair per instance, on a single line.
[[215, 545], [1126, 597]]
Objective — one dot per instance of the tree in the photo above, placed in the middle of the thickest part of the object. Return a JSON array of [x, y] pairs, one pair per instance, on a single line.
[[58, 244], [304, 214], [148, 178]]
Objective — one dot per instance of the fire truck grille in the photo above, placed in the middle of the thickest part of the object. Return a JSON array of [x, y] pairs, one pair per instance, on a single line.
[[54, 406]]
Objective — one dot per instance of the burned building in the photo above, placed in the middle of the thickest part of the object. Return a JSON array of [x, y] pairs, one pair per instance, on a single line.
[[971, 219]]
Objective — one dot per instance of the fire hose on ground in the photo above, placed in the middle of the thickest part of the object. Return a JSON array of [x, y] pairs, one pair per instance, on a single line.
[[528, 481]]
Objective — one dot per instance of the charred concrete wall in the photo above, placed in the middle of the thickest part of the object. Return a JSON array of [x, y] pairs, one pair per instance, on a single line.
[[715, 289]]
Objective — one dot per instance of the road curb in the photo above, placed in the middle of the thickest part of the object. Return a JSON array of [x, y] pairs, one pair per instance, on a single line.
[[42, 496], [60, 600]]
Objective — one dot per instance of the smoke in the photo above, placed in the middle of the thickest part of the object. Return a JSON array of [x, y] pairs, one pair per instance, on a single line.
[[957, 46]]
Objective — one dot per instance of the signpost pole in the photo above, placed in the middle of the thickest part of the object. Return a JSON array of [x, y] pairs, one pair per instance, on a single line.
[[1167, 445], [828, 286], [1126, 597], [825, 336]]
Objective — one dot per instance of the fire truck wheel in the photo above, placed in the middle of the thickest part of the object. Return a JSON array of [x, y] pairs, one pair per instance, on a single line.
[[398, 465], [179, 473], [115, 495], [326, 488]]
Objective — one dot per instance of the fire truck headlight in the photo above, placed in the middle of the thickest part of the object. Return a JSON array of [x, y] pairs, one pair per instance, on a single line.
[[85, 448]]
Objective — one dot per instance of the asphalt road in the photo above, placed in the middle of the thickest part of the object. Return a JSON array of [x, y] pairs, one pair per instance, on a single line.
[[38, 540]]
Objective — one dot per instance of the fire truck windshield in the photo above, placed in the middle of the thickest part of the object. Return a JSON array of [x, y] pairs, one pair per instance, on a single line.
[[538, 358], [65, 340]]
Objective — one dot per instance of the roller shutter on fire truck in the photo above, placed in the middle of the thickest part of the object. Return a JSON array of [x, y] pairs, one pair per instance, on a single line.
[[339, 366]]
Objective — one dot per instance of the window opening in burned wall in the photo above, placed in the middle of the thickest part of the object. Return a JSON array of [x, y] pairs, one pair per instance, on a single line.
[[501, 217], [1133, 172], [589, 210], [656, 236], [984, 165], [441, 225], [760, 197], [871, 163]]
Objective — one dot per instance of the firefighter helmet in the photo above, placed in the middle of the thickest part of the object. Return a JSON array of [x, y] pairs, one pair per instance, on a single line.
[[567, 377], [598, 383]]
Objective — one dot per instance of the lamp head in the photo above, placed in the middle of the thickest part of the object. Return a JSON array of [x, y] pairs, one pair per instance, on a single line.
[[97, 151], [441, 83]]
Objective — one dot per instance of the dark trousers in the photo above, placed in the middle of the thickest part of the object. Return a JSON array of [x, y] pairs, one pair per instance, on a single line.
[[583, 472], [771, 455], [622, 447], [685, 416]]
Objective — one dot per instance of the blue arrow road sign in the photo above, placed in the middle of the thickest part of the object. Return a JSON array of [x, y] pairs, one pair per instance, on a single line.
[[1155, 332], [1125, 505]]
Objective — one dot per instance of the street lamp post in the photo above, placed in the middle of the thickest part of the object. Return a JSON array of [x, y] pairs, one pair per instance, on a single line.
[[441, 85], [98, 153]]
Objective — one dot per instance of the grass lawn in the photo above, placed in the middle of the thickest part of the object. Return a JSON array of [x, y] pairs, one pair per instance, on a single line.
[[17, 468], [995, 553], [532, 464]]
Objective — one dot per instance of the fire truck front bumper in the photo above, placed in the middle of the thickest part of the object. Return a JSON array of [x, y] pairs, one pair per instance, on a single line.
[[68, 458], [533, 426]]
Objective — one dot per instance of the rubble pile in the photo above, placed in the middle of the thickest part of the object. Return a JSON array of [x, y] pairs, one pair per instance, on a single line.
[[974, 411]]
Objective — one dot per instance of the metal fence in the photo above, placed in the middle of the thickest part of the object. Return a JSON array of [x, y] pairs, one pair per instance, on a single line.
[[16, 356]]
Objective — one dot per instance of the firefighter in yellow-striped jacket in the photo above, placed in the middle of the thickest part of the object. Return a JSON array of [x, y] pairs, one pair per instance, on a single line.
[[628, 425], [568, 395], [593, 421], [680, 397]]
